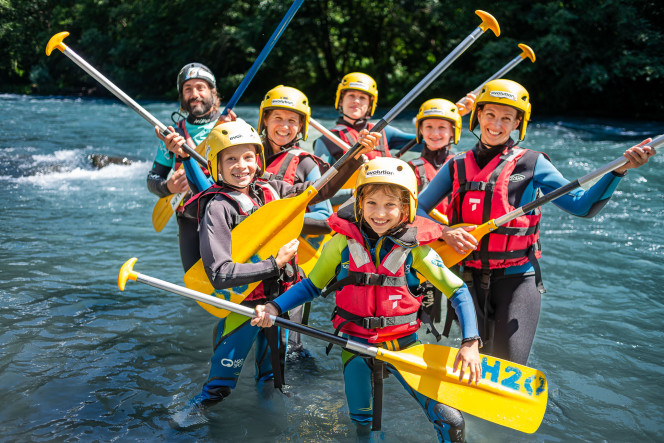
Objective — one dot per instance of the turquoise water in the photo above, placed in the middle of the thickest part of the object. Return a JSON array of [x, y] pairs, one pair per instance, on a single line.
[[82, 361]]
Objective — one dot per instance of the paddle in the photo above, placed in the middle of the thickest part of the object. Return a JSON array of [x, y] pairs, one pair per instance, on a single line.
[[56, 43], [261, 57], [526, 52], [261, 234], [451, 257], [508, 394], [342, 144]]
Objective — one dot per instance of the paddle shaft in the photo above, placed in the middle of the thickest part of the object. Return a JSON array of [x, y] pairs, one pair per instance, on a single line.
[[248, 312], [586, 179], [405, 101], [262, 56], [330, 136], [406, 148], [126, 99], [527, 53]]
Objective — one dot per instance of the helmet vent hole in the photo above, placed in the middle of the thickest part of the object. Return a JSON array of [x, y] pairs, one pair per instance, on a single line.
[[225, 132], [399, 168]]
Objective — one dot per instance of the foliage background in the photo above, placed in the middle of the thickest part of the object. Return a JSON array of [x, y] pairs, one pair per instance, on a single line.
[[593, 58]]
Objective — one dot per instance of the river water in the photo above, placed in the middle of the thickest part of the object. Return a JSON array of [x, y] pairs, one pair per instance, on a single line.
[[82, 361]]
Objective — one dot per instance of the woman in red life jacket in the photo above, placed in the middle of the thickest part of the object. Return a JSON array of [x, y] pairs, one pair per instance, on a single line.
[[283, 120], [490, 180], [371, 266], [235, 161]]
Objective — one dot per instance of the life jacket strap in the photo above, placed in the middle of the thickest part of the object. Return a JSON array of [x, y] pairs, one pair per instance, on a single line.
[[364, 279]]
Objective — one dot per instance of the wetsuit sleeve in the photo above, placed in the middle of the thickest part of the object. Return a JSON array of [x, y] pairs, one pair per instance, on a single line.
[[439, 187], [427, 262], [578, 202], [326, 150], [397, 139], [320, 276], [321, 210], [157, 178], [216, 252]]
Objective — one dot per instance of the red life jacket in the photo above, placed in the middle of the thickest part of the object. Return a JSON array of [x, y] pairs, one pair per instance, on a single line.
[[425, 172], [350, 136], [284, 166], [481, 195], [374, 302], [244, 206]]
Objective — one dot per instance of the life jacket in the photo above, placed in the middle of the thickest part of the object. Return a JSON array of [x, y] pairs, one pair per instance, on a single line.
[[425, 172], [482, 195], [374, 301], [349, 135], [284, 165], [244, 206]]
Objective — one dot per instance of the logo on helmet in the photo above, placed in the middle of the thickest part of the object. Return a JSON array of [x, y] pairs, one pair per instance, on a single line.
[[235, 137], [358, 85], [432, 111], [503, 94], [283, 102], [379, 172]]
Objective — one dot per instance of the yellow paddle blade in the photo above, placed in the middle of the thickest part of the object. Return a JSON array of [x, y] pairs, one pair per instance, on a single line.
[[164, 209], [508, 394], [166, 206], [449, 255], [350, 184], [309, 250], [258, 237]]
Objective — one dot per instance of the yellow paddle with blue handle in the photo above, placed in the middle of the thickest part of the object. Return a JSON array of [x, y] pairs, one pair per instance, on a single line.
[[261, 234], [508, 394], [451, 257]]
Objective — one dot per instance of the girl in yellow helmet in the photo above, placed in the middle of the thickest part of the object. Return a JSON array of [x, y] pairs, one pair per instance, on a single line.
[[236, 163], [490, 180], [371, 266]]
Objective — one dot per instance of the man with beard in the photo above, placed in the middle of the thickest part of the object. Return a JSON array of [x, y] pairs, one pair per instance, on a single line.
[[198, 114]]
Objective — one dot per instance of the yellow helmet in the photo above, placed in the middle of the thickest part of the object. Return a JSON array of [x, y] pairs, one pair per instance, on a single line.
[[285, 97], [508, 93], [359, 82], [387, 170], [227, 135], [442, 109]]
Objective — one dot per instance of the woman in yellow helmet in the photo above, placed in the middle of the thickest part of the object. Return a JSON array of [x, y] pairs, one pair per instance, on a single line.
[[490, 180], [371, 266], [236, 163]]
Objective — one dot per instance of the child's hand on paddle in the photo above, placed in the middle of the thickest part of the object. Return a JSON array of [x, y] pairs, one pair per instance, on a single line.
[[178, 182], [286, 253], [468, 359], [459, 238], [369, 141], [465, 105], [263, 313]]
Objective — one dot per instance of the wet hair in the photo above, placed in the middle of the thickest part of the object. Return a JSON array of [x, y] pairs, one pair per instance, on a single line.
[[389, 189]]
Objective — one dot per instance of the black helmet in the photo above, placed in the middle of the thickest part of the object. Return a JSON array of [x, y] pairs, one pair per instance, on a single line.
[[196, 70]]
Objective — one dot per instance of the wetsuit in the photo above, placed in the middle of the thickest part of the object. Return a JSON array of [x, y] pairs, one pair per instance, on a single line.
[[329, 152], [333, 267], [164, 163], [234, 335], [507, 291]]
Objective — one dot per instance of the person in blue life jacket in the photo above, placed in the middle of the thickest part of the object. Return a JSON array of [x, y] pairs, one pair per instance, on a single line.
[[356, 99], [199, 112], [490, 180], [371, 266], [236, 162], [283, 120]]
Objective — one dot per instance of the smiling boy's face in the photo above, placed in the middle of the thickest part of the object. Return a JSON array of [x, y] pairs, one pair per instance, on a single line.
[[238, 165]]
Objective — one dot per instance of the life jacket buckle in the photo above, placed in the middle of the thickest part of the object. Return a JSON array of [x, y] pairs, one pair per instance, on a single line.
[[374, 322]]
